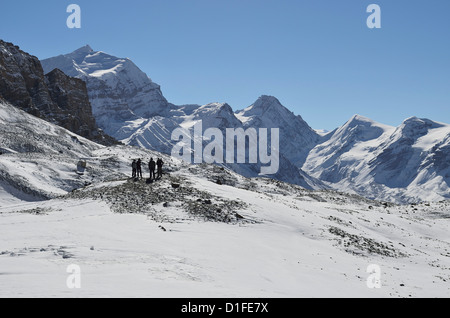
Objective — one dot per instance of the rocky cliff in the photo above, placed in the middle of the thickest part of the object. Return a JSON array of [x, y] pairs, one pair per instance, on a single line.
[[55, 97]]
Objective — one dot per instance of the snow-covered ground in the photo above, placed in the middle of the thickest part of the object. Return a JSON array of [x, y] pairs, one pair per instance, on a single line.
[[289, 243], [201, 231]]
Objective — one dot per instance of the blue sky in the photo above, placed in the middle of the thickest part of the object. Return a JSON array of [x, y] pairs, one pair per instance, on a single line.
[[316, 56]]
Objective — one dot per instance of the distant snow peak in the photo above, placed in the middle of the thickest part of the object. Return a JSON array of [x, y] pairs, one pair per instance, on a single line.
[[265, 101], [85, 49], [360, 119], [421, 122], [118, 90], [297, 137], [381, 162], [234, 151], [263, 105]]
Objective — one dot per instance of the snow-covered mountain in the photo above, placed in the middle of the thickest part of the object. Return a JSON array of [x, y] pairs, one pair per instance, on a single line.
[[298, 138], [346, 149], [118, 90], [404, 164], [131, 108], [409, 163], [221, 116]]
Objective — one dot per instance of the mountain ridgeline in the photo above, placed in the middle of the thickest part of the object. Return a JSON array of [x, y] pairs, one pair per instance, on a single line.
[[129, 106], [404, 164]]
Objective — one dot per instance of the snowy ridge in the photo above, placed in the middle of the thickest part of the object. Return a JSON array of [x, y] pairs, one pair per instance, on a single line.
[[404, 164]]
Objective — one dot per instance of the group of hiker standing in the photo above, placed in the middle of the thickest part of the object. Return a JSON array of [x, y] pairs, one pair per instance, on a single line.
[[152, 165]]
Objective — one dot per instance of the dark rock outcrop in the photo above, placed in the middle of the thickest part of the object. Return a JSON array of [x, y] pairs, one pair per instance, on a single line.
[[55, 97]]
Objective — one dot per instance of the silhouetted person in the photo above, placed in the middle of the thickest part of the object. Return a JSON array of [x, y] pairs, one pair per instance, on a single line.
[[152, 167], [134, 167], [160, 164], [139, 169]]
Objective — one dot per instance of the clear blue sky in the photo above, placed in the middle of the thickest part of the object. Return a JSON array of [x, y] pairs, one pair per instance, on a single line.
[[316, 56]]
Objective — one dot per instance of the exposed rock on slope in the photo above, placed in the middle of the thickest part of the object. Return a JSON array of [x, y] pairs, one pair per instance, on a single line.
[[55, 97]]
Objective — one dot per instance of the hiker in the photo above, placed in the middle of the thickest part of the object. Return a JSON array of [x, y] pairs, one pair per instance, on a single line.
[[139, 169], [152, 167], [159, 163], [134, 167]]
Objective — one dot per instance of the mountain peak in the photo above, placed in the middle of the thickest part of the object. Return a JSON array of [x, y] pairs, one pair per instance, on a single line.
[[268, 98], [358, 119], [358, 129], [266, 101], [226, 106], [417, 120], [55, 71], [362, 121], [85, 49], [266, 105], [415, 123]]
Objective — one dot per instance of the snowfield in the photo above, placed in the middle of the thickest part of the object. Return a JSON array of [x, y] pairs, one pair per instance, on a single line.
[[288, 243], [200, 231]]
